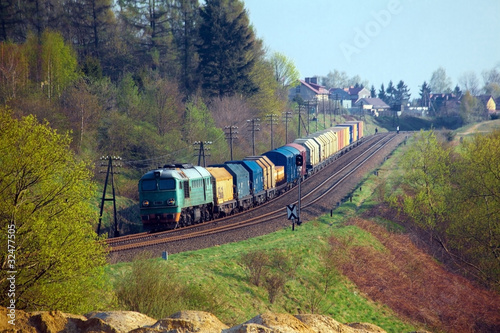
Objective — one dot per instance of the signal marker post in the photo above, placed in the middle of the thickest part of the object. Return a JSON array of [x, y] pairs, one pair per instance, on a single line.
[[291, 211], [299, 161]]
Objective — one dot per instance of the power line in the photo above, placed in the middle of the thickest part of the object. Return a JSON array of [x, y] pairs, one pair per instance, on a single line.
[[201, 151], [271, 119], [110, 171], [231, 136], [255, 128]]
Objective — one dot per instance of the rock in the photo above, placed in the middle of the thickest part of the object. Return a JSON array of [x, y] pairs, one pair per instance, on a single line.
[[180, 322], [366, 328], [123, 321], [248, 328], [320, 323], [20, 322], [279, 322], [186, 322]]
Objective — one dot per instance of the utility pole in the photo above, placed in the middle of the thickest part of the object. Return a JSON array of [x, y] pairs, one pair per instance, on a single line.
[[231, 135], [201, 151], [287, 115], [255, 128], [324, 110], [109, 172], [301, 121], [271, 119]]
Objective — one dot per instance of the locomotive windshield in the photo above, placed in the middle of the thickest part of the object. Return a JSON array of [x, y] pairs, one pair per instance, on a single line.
[[163, 184], [167, 184], [149, 185]]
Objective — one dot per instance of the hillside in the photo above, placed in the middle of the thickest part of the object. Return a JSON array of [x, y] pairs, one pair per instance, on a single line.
[[377, 276]]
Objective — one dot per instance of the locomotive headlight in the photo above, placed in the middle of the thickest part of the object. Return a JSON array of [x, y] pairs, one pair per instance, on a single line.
[[145, 203], [171, 202]]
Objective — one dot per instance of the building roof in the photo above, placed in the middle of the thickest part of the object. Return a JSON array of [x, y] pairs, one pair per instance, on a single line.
[[375, 102], [316, 88]]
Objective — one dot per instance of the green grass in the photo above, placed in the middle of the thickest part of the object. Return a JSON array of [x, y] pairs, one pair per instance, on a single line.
[[220, 272]]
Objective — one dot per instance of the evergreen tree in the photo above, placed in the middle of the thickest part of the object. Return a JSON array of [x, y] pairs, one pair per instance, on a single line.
[[373, 92], [184, 20], [226, 50], [150, 35], [89, 22], [381, 93], [402, 93], [425, 92], [390, 91]]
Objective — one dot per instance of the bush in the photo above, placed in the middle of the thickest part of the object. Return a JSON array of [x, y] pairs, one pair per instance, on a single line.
[[152, 288]]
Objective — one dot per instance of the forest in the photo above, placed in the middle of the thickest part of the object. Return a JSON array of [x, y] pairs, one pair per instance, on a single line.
[[143, 80]]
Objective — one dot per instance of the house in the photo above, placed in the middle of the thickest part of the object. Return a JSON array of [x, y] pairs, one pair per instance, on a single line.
[[358, 92], [444, 103], [341, 96], [309, 90], [488, 102], [375, 105]]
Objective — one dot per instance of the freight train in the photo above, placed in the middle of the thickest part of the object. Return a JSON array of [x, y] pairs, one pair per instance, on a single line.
[[178, 195]]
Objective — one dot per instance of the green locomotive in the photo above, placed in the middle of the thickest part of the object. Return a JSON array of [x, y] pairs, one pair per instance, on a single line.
[[174, 196]]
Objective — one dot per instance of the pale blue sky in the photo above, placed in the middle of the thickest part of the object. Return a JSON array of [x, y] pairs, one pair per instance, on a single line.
[[382, 40]]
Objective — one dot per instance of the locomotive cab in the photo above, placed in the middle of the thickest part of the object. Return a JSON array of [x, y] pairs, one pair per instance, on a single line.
[[159, 199]]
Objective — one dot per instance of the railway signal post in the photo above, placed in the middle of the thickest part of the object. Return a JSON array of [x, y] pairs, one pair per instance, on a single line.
[[299, 161]]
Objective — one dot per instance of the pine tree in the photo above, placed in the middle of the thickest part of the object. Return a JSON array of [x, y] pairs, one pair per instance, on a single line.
[[227, 42], [381, 93]]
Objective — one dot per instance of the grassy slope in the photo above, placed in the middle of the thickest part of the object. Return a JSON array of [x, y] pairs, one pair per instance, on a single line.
[[219, 270]]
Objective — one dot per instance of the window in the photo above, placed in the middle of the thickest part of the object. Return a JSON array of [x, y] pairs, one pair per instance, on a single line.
[[149, 185], [167, 184]]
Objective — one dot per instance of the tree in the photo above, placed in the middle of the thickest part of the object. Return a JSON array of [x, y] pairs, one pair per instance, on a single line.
[[150, 32], [373, 92], [440, 83], [470, 83], [402, 93], [491, 80], [184, 20], [336, 79], [382, 94], [53, 63], [427, 171], [471, 109], [474, 229], [390, 92], [425, 92], [82, 110], [13, 71], [91, 19], [226, 50], [46, 198], [285, 72]]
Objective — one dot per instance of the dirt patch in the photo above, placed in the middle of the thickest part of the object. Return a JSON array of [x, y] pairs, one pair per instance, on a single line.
[[414, 285]]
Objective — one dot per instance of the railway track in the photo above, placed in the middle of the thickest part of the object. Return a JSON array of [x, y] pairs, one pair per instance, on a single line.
[[317, 191]]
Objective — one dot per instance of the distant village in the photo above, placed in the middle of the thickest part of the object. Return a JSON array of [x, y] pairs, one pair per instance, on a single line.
[[360, 100]]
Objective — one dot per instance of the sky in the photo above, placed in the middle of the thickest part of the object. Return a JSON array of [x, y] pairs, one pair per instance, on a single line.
[[382, 40]]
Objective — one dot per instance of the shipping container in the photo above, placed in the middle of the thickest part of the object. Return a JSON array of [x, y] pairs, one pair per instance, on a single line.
[[267, 170], [312, 151], [302, 152], [255, 173], [223, 182], [284, 157]]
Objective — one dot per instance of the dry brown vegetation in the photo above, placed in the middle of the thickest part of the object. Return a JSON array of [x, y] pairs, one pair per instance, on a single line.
[[412, 283]]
